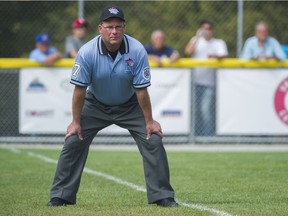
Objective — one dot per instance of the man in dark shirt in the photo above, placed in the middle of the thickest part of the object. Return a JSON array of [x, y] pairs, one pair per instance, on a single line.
[[157, 50]]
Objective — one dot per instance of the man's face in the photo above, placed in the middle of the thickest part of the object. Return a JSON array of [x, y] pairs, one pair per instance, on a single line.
[[261, 32], [157, 40], [79, 32], [208, 30], [43, 47], [112, 31]]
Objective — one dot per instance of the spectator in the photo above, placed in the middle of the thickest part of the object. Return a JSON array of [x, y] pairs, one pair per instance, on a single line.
[[204, 46], [43, 53], [75, 41], [262, 46], [157, 50]]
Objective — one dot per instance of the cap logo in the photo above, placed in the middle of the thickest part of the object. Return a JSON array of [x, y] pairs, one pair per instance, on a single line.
[[44, 37], [113, 10]]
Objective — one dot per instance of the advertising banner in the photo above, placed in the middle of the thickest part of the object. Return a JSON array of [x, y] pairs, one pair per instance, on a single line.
[[252, 101], [45, 101], [170, 94]]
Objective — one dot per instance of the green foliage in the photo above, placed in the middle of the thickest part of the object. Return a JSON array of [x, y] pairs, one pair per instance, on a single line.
[[21, 21]]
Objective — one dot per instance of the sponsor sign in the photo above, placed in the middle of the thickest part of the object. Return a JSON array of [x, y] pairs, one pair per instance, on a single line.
[[171, 98], [252, 102], [281, 101], [46, 100]]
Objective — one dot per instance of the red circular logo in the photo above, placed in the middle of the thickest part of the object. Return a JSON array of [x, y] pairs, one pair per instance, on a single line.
[[281, 101]]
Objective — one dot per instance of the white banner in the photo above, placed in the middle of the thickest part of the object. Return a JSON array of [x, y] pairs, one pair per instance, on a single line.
[[252, 102], [170, 94], [45, 96], [45, 100]]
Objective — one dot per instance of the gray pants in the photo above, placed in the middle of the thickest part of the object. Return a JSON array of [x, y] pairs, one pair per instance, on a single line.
[[96, 116]]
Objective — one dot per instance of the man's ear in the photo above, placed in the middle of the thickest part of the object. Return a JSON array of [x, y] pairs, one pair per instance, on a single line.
[[99, 28]]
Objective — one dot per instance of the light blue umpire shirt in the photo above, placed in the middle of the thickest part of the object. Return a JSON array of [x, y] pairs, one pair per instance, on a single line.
[[112, 82], [272, 48]]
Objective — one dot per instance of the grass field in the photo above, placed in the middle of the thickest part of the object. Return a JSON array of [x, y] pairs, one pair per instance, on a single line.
[[205, 183]]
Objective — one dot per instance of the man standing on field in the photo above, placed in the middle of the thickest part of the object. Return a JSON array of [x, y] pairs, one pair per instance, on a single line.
[[111, 74]]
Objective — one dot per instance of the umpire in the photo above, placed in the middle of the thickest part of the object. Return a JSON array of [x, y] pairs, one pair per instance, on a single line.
[[111, 74]]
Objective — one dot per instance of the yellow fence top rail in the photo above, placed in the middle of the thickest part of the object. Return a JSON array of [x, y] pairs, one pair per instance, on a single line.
[[181, 63]]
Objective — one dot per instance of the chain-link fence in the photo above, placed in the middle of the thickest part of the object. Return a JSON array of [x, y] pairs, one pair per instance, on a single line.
[[202, 122], [21, 21]]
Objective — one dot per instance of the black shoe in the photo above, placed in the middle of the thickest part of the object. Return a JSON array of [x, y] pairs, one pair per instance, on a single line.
[[167, 202], [55, 201]]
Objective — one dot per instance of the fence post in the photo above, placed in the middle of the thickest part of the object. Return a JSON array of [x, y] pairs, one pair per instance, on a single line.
[[80, 8], [191, 137], [239, 26]]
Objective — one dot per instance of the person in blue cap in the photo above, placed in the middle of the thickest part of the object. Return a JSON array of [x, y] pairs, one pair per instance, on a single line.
[[43, 53]]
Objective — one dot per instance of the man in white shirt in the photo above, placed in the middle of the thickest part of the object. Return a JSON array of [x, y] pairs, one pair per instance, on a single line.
[[262, 46], [204, 46]]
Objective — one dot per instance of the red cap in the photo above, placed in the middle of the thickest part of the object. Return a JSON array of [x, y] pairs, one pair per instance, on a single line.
[[80, 22]]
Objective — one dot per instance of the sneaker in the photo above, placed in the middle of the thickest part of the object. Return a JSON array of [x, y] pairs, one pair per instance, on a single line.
[[55, 201], [167, 202]]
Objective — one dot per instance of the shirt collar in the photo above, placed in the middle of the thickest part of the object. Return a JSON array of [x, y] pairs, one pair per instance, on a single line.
[[266, 40], [124, 47]]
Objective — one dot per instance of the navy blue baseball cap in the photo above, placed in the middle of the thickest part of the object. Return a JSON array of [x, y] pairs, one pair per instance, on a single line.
[[43, 38], [111, 12]]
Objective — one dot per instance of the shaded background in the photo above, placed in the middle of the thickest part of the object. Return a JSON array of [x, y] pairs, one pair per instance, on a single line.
[[21, 21]]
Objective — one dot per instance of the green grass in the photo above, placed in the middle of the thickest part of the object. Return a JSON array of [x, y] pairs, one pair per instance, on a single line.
[[254, 184]]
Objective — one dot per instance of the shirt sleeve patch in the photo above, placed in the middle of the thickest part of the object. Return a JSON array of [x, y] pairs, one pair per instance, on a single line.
[[146, 73]]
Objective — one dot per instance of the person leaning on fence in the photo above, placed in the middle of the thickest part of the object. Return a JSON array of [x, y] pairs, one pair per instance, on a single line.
[[204, 46], [115, 68], [75, 41], [157, 50], [261, 46], [44, 53]]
